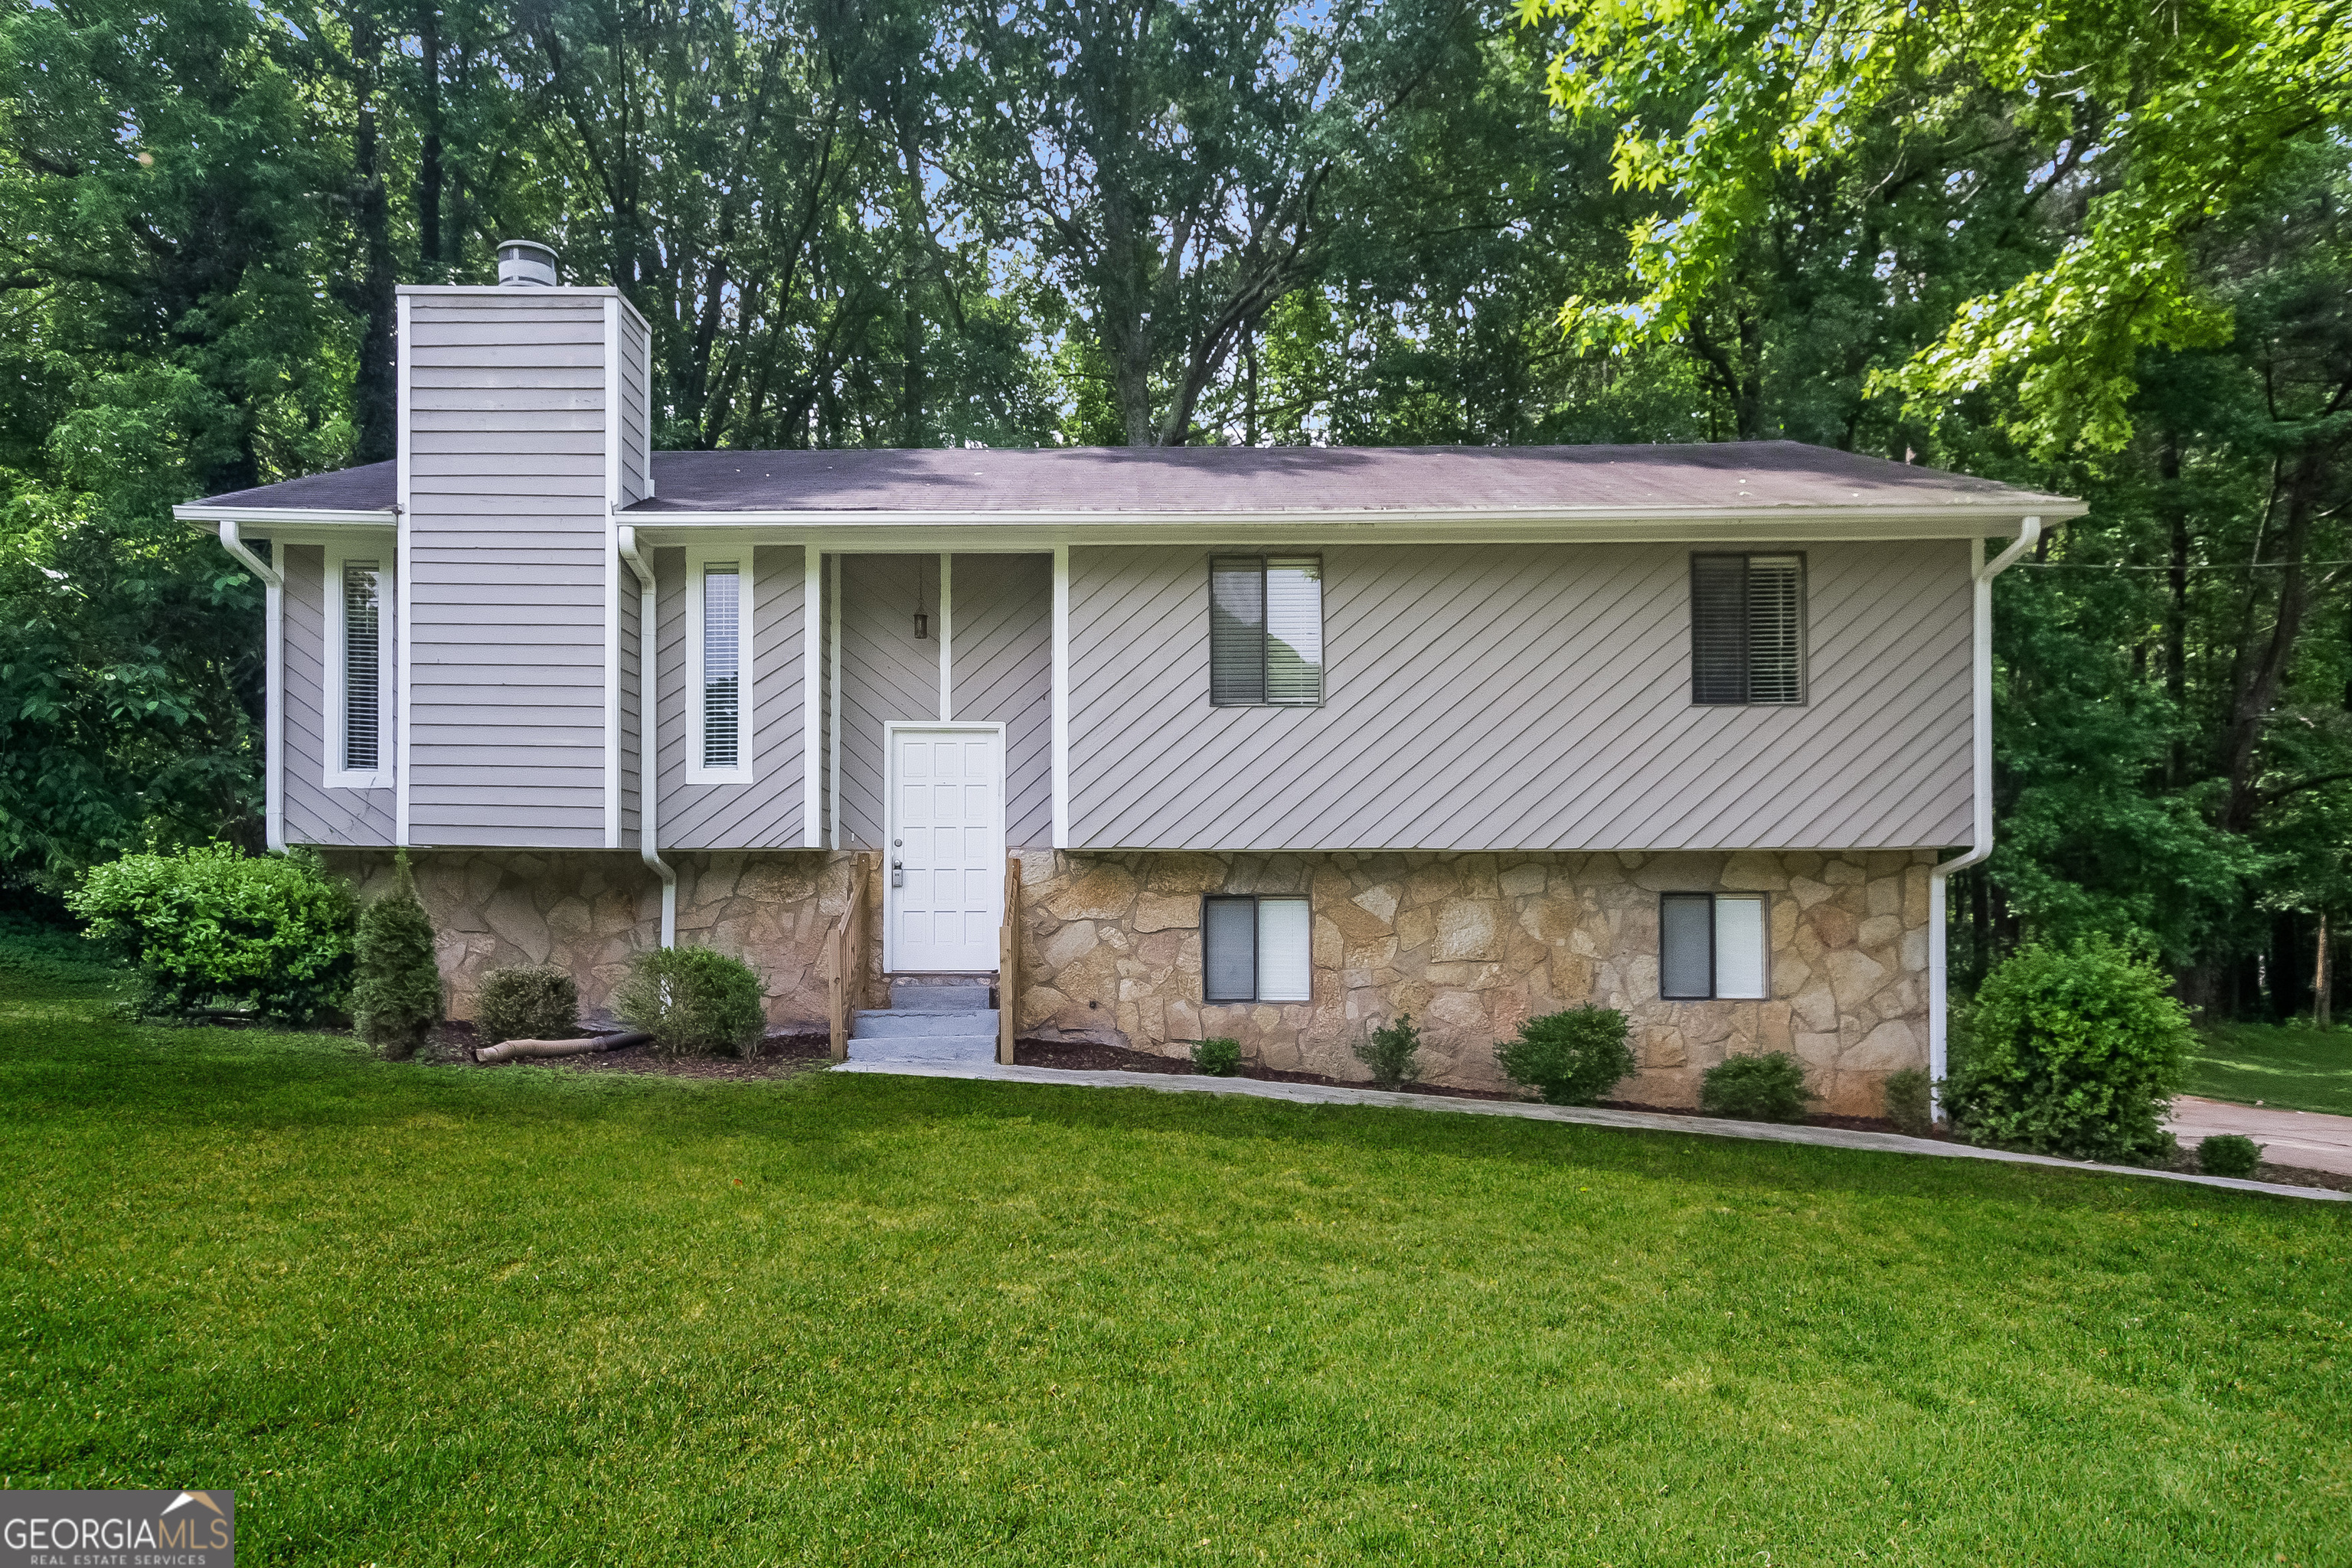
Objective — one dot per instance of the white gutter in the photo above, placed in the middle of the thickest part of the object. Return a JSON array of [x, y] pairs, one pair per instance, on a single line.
[[1982, 573], [273, 778], [648, 763]]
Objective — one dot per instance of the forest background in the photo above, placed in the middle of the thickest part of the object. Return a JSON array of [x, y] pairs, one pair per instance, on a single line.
[[2102, 250]]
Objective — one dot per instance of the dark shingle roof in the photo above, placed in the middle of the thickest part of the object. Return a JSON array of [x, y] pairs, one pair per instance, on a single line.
[[1753, 476]]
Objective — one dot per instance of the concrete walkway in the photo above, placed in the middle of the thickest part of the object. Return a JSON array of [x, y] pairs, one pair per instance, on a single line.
[[2310, 1138], [1642, 1121]]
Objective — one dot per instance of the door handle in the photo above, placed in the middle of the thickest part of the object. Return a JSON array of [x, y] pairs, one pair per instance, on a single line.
[[897, 873]]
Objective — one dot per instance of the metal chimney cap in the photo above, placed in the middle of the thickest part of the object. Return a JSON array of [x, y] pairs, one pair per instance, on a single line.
[[526, 264]]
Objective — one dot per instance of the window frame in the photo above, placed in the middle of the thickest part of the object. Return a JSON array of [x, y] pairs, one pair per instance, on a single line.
[[1258, 980], [698, 559], [1714, 960], [1322, 625], [335, 707], [1746, 611]]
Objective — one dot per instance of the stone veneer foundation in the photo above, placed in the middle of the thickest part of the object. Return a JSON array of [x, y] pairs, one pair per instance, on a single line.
[[1471, 945]]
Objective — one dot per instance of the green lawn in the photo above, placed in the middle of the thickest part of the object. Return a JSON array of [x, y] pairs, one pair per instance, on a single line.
[[430, 1315], [2301, 1069]]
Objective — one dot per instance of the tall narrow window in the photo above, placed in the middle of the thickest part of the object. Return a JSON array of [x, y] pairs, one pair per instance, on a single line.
[[1256, 949], [722, 665], [1748, 630], [1265, 631], [362, 673], [1713, 946]]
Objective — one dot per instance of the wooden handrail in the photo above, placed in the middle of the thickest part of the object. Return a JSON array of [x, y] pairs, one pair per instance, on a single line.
[[842, 960], [1008, 962]]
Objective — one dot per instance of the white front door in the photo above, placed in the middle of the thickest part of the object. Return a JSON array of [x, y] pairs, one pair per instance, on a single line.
[[947, 847]]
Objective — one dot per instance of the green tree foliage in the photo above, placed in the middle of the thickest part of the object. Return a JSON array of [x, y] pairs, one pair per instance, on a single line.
[[397, 999], [212, 927], [2075, 1050]]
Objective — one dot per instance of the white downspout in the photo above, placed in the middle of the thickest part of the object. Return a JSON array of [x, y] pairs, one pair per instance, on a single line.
[[273, 746], [648, 763], [1982, 572]]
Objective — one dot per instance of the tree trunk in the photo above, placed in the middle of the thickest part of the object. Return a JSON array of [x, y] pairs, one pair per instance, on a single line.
[[2322, 978], [375, 397], [428, 159], [2176, 612], [2257, 690]]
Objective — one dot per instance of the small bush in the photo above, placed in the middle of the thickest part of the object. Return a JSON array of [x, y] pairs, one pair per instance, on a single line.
[[397, 998], [1908, 1103], [694, 1002], [1217, 1057], [533, 1004], [1768, 1088], [1569, 1058], [2229, 1154], [213, 927], [1392, 1051], [2075, 1051]]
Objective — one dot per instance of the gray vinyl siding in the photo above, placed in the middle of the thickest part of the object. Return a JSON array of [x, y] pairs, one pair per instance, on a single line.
[[1515, 697], [508, 570], [766, 813], [1004, 674], [314, 813], [636, 407], [885, 674], [631, 696]]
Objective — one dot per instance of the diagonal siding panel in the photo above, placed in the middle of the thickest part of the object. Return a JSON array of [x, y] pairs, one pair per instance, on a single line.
[[1004, 674], [1522, 696]]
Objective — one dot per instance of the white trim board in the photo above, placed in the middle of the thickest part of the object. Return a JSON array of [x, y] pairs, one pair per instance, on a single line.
[[747, 676]]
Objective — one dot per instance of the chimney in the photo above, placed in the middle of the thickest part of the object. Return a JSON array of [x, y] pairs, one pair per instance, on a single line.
[[526, 264]]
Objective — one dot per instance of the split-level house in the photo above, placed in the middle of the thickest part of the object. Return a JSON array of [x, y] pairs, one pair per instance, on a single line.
[[1287, 742]]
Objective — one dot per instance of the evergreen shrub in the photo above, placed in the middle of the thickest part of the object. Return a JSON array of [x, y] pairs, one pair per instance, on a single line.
[[535, 1003], [1218, 1057], [694, 1002], [1572, 1057], [1392, 1052], [398, 999], [2229, 1154], [213, 927], [2075, 1051], [1909, 1104], [1767, 1088]]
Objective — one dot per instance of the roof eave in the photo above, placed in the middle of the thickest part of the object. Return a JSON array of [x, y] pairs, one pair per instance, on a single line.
[[302, 517]]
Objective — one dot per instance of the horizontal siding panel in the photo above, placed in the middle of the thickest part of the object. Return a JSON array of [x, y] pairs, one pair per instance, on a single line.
[[431, 359], [461, 378], [522, 412], [516, 835]]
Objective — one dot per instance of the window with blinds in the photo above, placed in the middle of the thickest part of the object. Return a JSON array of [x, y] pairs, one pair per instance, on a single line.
[[1748, 629], [722, 664], [1256, 949], [362, 667], [1265, 631], [1713, 946]]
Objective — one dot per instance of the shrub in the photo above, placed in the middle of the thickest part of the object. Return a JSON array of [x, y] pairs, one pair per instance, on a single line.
[[533, 1004], [1571, 1057], [397, 998], [1908, 1103], [694, 1002], [2076, 1051], [1768, 1088], [213, 926], [1217, 1057], [1391, 1051], [2229, 1154]]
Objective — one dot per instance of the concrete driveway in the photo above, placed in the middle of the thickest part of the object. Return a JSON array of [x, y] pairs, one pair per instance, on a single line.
[[2303, 1138]]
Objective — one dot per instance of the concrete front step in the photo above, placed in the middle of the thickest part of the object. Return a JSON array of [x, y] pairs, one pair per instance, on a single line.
[[914, 994], [946, 1049], [903, 1021]]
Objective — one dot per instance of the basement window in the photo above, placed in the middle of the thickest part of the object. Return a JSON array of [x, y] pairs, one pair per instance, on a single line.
[[1254, 950], [1713, 946]]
